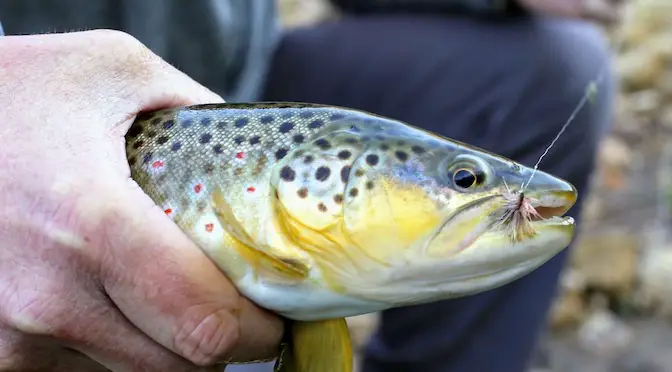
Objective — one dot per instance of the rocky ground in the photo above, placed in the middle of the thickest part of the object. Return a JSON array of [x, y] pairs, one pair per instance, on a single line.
[[614, 310]]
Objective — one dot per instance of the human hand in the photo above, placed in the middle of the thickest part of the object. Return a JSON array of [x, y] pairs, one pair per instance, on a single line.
[[92, 273], [602, 11]]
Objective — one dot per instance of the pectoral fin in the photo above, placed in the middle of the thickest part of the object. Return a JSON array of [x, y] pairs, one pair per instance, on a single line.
[[317, 346], [271, 263]]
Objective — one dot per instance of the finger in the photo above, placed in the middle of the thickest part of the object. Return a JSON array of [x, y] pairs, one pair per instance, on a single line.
[[83, 320], [19, 352], [66, 360], [167, 86], [115, 343], [172, 291]]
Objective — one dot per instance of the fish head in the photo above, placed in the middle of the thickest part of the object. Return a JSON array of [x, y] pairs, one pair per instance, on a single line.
[[420, 211]]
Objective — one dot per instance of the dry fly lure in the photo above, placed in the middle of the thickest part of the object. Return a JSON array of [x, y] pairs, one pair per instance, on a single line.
[[518, 213]]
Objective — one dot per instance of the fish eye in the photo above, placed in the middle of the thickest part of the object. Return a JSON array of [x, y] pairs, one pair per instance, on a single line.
[[466, 178]]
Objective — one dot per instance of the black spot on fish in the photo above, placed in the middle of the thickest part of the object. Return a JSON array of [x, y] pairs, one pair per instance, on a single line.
[[306, 114], [176, 146], [186, 123], [359, 173], [372, 159], [287, 173], [241, 122], [267, 119], [134, 131], [369, 185], [322, 173], [132, 160], [138, 144], [345, 174], [323, 144], [281, 153], [162, 139], [286, 127], [338, 198], [221, 125], [302, 193], [308, 159], [254, 140], [353, 192], [401, 155], [147, 158], [205, 137], [217, 149], [350, 140], [209, 168], [384, 147], [344, 155], [316, 124], [418, 149], [156, 121], [321, 207], [355, 129], [401, 143], [150, 133], [298, 138], [168, 124], [206, 121], [239, 139]]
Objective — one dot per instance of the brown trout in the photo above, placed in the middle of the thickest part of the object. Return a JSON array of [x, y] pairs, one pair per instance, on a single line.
[[318, 213]]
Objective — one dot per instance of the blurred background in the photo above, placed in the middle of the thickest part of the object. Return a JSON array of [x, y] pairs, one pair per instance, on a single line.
[[614, 310]]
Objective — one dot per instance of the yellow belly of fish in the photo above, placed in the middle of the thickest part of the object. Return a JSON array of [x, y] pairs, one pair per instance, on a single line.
[[310, 298]]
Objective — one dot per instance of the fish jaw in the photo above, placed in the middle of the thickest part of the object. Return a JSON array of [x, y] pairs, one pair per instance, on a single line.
[[493, 260], [550, 196]]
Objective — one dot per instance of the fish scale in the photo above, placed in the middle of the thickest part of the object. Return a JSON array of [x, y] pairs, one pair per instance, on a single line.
[[319, 213], [237, 147]]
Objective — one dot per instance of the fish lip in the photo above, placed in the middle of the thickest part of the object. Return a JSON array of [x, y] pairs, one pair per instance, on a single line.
[[552, 203]]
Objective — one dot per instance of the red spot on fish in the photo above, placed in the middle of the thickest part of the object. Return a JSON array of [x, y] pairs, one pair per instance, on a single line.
[[209, 227], [251, 189], [157, 164], [240, 155], [168, 211], [198, 188]]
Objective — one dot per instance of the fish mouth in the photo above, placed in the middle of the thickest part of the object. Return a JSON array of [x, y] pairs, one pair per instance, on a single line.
[[551, 205], [468, 228]]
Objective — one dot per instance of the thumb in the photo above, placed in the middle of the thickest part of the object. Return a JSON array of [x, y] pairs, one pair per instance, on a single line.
[[173, 292]]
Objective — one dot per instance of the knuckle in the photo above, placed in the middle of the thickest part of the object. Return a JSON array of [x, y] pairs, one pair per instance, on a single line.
[[206, 340], [129, 56], [114, 38]]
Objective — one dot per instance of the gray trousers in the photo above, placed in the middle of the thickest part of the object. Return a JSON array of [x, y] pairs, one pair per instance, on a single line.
[[506, 86]]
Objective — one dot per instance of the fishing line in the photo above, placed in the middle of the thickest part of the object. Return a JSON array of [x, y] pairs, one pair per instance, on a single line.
[[589, 95]]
